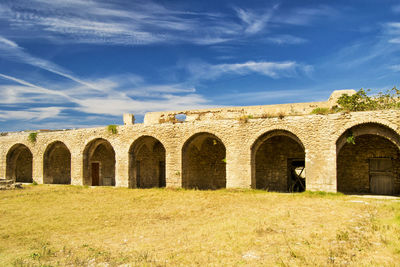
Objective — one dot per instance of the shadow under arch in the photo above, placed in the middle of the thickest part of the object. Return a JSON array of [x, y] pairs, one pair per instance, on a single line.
[[19, 164], [372, 164], [203, 162], [57, 164], [278, 162], [147, 163], [99, 163]]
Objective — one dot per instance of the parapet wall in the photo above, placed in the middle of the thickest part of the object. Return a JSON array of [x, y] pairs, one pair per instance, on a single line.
[[294, 109]]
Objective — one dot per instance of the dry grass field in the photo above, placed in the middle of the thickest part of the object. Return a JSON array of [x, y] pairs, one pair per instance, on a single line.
[[81, 226]]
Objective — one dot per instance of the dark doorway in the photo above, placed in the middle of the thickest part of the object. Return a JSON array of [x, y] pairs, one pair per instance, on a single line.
[[296, 175], [95, 173], [161, 178]]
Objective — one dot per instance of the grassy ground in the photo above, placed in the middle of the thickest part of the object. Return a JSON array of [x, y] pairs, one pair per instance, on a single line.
[[80, 226]]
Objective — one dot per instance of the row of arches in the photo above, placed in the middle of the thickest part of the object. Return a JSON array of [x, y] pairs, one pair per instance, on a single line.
[[369, 165]]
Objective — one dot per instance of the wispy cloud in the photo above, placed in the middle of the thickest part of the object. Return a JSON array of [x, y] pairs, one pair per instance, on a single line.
[[113, 99], [271, 69], [396, 8], [255, 22], [142, 22], [13, 51], [286, 39]]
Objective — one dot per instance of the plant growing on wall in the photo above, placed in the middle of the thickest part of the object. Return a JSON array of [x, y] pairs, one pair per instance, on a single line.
[[112, 129], [32, 137], [350, 139]]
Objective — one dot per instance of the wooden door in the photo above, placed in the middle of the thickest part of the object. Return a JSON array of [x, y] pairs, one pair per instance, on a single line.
[[95, 173], [381, 176]]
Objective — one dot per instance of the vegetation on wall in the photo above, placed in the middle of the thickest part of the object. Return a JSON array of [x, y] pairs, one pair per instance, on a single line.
[[361, 101], [32, 137], [112, 129]]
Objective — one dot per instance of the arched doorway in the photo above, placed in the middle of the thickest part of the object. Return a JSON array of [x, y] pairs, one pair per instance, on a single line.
[[19, 164], [203, 162], [278, 162], [99, 163], [147, 163], [368, 160], [57, 164]]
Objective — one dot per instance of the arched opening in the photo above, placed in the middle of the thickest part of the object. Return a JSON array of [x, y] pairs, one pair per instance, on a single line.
[[57, 164], [19, 164], [203, 162], [368, 160], [99, 163], [278, 162], [147, 163]]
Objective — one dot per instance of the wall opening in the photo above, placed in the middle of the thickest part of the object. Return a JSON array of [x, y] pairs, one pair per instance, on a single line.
[[99, 163], [147, 163], [278, 162], [203, 162], [57, 164], [371, 165], [19, 164]]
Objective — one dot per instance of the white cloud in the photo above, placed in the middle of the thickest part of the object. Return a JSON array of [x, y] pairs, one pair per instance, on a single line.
[[285, 39], [142, 22], [270, 69], [13, 51], [255, 22], [395, 67], [396, 9]]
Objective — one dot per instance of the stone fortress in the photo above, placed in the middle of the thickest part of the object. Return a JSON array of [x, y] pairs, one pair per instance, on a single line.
[[231, 147]]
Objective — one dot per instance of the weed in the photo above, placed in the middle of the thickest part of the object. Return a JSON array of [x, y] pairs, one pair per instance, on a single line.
[[350, 139], [281, 115], [245, 118], [32, 137], [112, 129], [321, 111]]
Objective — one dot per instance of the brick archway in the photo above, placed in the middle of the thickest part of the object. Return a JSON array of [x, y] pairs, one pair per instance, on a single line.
[[19, 164], [278, 162], [372, 164], [99, 163], [203, 162], [147, 163]]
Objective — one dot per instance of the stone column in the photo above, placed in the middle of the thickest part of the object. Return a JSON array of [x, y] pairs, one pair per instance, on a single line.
[[76, 167], [321, 169], [122, 169]]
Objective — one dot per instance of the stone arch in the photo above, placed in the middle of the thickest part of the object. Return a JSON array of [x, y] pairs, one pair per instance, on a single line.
[[99, 163], [203, 162], [372, 164], [19, 164], [57, 164], [278, 162], [147, 163]]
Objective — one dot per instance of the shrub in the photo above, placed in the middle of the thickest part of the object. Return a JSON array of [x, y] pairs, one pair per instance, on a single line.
[[112, 129], [360, 101], [245, 118], [32, 137], [321, 111]]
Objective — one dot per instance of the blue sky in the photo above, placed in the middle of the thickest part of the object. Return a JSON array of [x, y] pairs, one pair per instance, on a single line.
[[82, 63]]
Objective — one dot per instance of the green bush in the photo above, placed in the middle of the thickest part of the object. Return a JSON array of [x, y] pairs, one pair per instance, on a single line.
[[321, 111], [32, 137], [112, 129], [360, 101]]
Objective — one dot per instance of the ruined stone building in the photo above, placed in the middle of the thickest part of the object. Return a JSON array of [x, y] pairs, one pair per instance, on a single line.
[[237, 147]]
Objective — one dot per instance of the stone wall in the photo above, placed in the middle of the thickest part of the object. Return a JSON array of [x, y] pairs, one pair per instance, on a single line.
[[319, 135]]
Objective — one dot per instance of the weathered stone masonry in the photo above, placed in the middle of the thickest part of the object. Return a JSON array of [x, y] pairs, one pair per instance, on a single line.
[[214, 149]]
